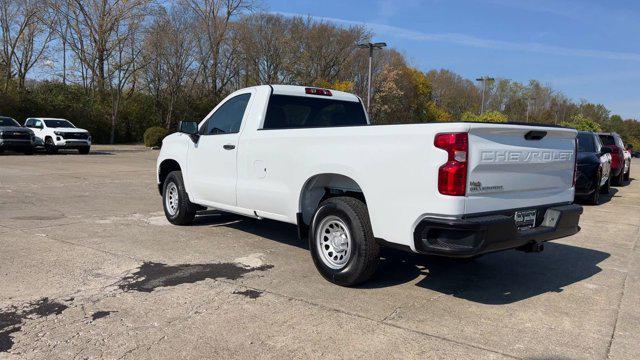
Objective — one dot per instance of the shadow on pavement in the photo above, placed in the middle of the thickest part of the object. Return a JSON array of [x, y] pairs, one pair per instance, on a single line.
[[495, 279], [604, 198]]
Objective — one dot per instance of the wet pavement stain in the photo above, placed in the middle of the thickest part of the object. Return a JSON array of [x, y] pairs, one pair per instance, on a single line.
[[250, 293], [152, 275], [12, 318], [100, 314]]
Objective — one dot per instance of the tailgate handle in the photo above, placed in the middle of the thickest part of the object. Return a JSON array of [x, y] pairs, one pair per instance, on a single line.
[[535, 135]]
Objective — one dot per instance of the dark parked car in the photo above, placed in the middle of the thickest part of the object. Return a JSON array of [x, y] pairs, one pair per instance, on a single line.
[[14, 137], [594, 168], [636, 154], [618, 162]]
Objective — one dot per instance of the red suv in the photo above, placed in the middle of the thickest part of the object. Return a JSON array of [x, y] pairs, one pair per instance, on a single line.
[[614, 142]]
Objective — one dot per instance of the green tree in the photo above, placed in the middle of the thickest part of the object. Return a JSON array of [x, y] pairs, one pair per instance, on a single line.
[[489, 116], [582, 123]]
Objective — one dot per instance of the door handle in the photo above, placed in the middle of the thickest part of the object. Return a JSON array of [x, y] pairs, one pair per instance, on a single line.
[[228, 147]]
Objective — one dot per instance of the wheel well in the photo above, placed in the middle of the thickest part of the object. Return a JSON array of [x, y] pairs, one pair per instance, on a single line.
[[321, 187], [166, 167]]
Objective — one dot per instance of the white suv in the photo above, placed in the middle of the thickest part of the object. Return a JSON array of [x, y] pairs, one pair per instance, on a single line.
[[59, 134]]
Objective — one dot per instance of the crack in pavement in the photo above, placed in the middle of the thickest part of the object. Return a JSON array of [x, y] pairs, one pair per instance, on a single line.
[[622, 293]]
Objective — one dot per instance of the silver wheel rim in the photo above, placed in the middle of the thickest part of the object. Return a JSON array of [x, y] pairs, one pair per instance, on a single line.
[[333, 241], [171, 199]]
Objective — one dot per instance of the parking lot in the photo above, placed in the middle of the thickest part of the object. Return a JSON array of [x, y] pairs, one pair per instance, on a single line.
[[90, 268]]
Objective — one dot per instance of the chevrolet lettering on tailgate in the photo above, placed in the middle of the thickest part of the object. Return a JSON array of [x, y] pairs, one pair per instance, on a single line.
[[523, 156]]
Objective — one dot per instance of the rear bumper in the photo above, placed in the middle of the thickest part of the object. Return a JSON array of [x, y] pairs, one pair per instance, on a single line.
[[489, 233]]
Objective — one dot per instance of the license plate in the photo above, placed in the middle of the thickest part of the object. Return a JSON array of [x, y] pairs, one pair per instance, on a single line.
[[525, 219]]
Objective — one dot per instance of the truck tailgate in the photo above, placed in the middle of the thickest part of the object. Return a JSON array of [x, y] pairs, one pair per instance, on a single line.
[[515, 167]]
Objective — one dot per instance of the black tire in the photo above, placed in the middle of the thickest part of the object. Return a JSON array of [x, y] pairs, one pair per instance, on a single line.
[[620, 178], [28, 152], [594, 198], [365, 251], [627, 176], [84, 150], [186, 211], [606, 189], [49, 146]]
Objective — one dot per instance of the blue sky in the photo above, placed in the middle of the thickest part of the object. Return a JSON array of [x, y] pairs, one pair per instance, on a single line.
[[587, 49]]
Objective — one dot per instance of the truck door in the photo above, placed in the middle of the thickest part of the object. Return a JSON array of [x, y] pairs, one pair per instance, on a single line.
[[213, 158]]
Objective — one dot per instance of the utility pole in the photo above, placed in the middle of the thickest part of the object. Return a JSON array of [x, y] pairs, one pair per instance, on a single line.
[[371, 46], [484, 81]]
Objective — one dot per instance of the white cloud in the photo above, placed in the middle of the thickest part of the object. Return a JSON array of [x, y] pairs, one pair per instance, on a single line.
[[576, 10], [473, 41]]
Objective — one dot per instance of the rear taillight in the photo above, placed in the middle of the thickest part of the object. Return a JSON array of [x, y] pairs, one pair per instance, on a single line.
[[452, 176], [575, 161], [617, 158]]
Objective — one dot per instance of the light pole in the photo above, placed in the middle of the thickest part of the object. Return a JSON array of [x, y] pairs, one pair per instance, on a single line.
[[484, 81], [371, 46]]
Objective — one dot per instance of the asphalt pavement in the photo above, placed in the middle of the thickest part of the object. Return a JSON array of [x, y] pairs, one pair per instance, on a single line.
[[90, 268]]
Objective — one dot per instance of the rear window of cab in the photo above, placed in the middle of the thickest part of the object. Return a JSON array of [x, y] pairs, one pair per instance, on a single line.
[[299, 112]]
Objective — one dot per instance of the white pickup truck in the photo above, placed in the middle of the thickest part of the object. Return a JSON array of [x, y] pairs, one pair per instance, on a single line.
[[309, 156]]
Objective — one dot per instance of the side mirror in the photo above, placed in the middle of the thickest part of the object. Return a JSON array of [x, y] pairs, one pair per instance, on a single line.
[[190, 128], [605, 150]]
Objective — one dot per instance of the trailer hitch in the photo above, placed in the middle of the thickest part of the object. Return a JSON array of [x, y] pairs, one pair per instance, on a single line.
[[532, 247]]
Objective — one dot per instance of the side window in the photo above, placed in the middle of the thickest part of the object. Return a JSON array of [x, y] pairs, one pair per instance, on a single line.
[[37, 123], [598, 144], [228, 118]]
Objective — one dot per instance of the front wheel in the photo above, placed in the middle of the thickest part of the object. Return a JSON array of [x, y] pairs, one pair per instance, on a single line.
[[84, 150], [177, 207], [49, 146], [341, 241]]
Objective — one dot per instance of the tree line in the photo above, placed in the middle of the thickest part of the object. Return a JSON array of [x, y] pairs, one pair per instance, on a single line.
[[120, 67]]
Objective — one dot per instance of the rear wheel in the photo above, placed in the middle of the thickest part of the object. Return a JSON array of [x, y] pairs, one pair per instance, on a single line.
[[341, 241], [620, 178], [594, 198], [627, 176], [177, 207], [606, 188]]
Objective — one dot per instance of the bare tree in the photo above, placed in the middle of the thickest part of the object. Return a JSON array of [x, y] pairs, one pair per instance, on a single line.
[[266, 44], [122, 63], [216, 53], [16, 18], [94, 31], [33, 42]]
